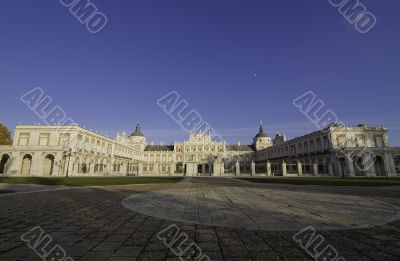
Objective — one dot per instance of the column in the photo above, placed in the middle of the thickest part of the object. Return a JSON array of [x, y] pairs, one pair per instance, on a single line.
[[217, 168], [393, 173], [237, 167], [330, 169], [155, 169], [191, 169], [124, 169], [284, 170], [36, 165], [269, 169], [91, 168], [171, 169], [370, 172], [140, 169], [70, 162], [315, 168], [14, 163], [299, 168], [349, 167], [389, 165], [222, 168], [253, 167]]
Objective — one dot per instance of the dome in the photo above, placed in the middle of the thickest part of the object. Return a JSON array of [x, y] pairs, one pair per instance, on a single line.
[[261, 132], [137, 132]]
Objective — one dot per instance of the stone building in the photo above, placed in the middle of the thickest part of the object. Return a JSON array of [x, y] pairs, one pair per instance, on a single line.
[[342, 151]]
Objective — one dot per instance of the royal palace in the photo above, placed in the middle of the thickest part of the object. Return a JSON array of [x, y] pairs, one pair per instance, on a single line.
[[342, 151]]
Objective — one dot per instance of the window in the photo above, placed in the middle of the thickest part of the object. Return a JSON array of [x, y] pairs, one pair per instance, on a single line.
[[23, 139], [64, 139], [360, 141], [379, 142], [341, 141], [44, 139]]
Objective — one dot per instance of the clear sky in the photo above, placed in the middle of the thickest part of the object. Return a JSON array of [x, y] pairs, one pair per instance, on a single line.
[[234, 61]]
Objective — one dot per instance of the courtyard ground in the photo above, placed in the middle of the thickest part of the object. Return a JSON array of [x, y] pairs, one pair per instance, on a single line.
[[229, 220], [88, 181], [328, 181]]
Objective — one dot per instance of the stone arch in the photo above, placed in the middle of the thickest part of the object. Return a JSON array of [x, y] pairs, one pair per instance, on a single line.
[[83, 167], [48, 165], [76, 167], [5, 160], [379, 166], [359, 168], [103, 165], [397, 163], [341, 166], [26, 165]]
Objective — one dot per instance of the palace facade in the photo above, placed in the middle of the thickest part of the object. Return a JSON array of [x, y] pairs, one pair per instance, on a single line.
[[338, 150]]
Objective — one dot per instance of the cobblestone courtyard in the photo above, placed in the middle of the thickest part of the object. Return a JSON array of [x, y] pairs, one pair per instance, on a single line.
[[228, 219]]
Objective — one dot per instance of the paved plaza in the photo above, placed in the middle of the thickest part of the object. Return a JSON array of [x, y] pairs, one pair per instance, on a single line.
[[227, 218]]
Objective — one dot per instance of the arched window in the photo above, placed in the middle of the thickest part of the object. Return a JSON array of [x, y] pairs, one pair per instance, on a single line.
[[379, 166], [84, 168], [397, 163], [48, 165], [26, 165], [359, 167], [3, 163]]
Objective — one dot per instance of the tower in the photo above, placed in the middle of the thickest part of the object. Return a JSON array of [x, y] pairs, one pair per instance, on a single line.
[[262, 140], [137, 138]]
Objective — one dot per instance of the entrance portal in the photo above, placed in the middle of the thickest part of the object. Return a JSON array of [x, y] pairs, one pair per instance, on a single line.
[[3, 164], [48, 165], [26, 165]]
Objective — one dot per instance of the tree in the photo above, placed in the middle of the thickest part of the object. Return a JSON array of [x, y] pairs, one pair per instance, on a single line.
[[5, 135]]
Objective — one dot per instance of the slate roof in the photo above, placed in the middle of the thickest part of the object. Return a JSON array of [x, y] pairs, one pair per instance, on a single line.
[[240, 148], [261, 133], [137, 132], [159, 148]]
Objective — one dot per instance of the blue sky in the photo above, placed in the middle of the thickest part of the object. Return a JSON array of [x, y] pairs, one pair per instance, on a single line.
[[236, 62]]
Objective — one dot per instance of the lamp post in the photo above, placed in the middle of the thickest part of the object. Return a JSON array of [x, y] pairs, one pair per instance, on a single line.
[[69, 154]]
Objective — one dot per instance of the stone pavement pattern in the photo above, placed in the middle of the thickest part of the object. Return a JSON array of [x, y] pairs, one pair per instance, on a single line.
[[261, 208], [92, 224]]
